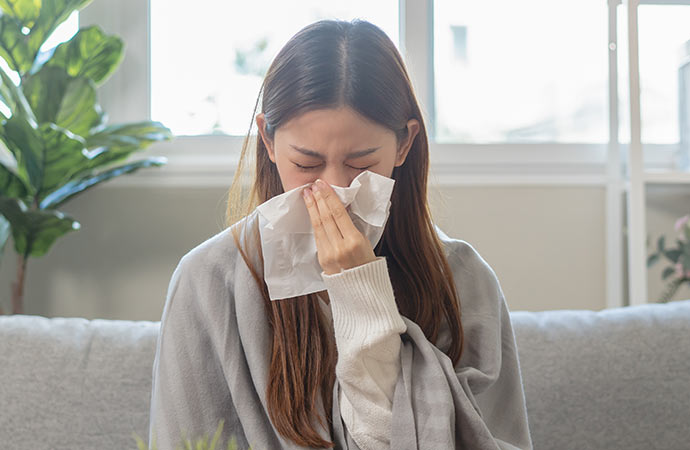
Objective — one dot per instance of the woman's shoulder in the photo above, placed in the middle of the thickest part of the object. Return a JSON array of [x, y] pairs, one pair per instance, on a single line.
[[217, 255], [461, 252], [474, 277], [204, 282]]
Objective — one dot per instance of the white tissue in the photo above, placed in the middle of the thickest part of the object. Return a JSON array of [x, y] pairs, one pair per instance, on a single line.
[[291, 264]]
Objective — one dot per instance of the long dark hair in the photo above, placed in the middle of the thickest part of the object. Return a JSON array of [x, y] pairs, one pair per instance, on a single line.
[[329, 64]]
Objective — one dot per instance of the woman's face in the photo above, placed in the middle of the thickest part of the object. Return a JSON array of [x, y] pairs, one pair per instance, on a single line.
[[334, 145]]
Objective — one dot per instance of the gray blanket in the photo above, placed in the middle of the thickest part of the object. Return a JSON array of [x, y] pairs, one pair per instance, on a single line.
[[213, 351]]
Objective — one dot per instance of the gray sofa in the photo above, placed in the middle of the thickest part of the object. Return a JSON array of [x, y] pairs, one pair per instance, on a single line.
[[612, 379]]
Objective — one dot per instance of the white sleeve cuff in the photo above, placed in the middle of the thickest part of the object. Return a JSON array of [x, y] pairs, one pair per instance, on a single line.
[[363, 303]]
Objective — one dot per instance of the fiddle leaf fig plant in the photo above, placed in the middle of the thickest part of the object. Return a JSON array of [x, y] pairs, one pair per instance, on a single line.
[[55, 142]]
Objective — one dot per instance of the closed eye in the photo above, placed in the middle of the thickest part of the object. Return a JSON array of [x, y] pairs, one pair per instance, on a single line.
[[314, 167]]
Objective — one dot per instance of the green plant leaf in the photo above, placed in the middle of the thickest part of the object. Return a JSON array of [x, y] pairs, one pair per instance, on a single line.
[[12, 185], [79, 111], [116, 143], [74, 187], [50, 156], [26, 145], [68, 102], [14, 181], [667, 272], [44, 91], [35, 231], [90, 54], [672, 255], [651, 259], [216, 435], [129, 134], [62, 156], [201, 443], [13, 47], [660, 243], [25, 11], [51, 15], [14, 98]]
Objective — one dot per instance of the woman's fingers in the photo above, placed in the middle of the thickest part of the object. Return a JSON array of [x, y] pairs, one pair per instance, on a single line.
[[338, 242], [337, 214], [324, 200], [315, 218]]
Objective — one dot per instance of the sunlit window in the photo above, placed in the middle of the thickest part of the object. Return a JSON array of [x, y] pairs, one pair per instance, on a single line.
[[207, 62], [528, 71], [664, 44]]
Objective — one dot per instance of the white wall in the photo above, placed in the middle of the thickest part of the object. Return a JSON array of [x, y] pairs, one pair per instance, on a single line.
[[546, 245]]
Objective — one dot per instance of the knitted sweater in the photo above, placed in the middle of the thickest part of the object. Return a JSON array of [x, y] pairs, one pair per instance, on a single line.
[[367, 328]]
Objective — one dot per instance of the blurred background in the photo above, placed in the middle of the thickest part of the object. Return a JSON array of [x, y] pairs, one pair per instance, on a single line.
[[528, 108]]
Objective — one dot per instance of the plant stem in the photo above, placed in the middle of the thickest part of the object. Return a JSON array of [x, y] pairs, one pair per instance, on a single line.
[[18, 285], [671, 289]]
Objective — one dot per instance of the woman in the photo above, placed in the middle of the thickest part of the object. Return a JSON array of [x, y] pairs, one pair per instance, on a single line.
[[383, 358]]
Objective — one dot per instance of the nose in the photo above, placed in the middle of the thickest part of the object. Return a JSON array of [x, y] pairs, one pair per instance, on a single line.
[[336, 178]]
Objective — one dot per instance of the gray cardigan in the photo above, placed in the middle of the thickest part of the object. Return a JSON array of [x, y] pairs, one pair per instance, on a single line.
[[213, 351]]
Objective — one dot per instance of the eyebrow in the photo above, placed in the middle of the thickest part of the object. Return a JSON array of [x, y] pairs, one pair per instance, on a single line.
[[356, 154]]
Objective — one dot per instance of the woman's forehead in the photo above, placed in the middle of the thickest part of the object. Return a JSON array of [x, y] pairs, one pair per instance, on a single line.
[[317, 129]]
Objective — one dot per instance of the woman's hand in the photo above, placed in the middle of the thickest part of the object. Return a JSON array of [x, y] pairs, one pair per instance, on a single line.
[[339, 244]]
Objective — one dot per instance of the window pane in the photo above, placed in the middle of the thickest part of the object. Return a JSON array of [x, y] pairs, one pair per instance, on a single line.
[[207, 62], [664, 44], [528, 71]]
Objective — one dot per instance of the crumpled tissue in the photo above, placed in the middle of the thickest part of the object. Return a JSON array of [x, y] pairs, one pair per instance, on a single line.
[[291, 264]]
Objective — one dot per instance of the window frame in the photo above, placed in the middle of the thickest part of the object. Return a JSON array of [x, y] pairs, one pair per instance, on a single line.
[[209, 160]]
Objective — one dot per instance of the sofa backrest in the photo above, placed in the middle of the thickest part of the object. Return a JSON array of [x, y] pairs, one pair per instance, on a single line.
[[612, 379], [73, 383]]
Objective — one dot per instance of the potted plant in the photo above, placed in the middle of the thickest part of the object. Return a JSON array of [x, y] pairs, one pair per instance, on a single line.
[[55, 142], [679, 256]]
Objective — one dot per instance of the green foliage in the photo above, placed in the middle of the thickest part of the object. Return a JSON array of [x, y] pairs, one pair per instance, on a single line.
[[186, 444], [679, 257], [90, 54], [54, 140]]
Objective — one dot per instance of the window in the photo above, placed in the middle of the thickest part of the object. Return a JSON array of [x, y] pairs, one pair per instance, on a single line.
[[201, 77], [528, 71], [664, 46], [206, 68]]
